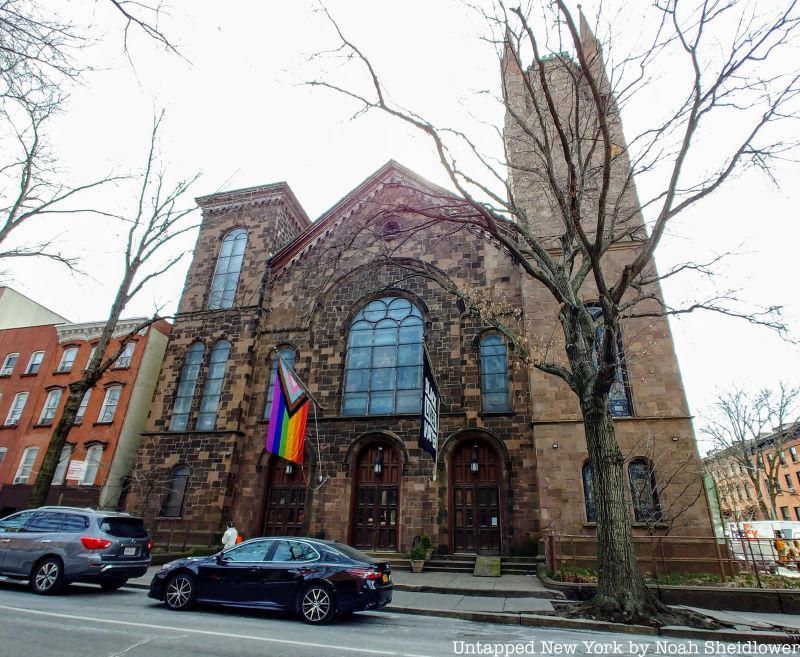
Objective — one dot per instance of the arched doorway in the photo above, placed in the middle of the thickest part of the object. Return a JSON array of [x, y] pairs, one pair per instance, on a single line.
[[285, 508], [475, 498], [376, 496]]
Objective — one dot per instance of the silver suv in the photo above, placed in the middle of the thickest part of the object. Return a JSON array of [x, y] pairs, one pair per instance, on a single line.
[[55, 545]]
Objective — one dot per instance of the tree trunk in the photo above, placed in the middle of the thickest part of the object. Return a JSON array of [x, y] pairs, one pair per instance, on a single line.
[[621, 590]]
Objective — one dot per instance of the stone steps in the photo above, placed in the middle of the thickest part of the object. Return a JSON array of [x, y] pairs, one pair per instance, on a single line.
[[461, 563]]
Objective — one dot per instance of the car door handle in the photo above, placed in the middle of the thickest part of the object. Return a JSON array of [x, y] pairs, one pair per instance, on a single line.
[[45, 540], [6, 540]]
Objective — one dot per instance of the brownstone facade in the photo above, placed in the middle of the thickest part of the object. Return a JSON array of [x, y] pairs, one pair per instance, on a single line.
[[301, 287]]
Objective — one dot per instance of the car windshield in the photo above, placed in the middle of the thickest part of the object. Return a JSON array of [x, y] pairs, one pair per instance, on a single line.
[[352, 553], [123, 527]]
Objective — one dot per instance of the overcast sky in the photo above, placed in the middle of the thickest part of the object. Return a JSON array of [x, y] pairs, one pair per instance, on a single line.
[[237, 111]]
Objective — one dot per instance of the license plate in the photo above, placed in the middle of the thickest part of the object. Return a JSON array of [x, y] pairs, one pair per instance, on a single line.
[[129, 551], [385, 578]]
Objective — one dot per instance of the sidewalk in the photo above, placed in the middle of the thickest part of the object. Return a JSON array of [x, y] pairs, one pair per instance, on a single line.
[[519, 599]]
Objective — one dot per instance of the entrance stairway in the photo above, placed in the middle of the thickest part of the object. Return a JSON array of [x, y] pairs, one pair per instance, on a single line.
[[460, 563]]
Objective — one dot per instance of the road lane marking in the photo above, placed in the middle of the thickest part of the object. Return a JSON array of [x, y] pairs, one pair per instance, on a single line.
[[227, 635]]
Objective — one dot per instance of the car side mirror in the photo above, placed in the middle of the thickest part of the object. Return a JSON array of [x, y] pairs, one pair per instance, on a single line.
[[221, 558]]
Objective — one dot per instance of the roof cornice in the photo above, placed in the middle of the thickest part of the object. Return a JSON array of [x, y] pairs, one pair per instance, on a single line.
[[91, 330], [236, 199]]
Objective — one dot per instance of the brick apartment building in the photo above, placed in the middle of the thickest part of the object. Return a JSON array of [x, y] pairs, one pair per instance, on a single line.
[[37, 364], [512, 461], [774, 460]]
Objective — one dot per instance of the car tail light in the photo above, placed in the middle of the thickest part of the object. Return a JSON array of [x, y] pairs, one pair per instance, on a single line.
[[92, 543], [364, 573], [150, 544]]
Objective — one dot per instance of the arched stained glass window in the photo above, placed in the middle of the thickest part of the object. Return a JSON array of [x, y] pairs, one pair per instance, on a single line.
[[494, 373], [619, 402], [288, 355], [173, 500], [229, 265], [212, 389], [588, 494], [383, 375], [644, 493], [190, 372]]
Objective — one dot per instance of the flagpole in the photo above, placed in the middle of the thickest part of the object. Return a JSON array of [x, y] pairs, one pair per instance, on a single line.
[[300, 381]]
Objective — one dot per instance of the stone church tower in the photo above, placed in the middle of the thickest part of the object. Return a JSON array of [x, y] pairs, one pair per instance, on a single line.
[[352, 301]]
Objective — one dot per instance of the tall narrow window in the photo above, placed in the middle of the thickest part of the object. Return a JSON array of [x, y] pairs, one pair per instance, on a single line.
[[618, 401], [124, 359], [110, 403], [3, 452], [8, 364], [226, 275], [17, 406], [190, 372], [26, 465], [384, 359], [93, 456], [644, 493], [67, 359], [494, 373], [588, 494], [50, 406], [288, 355], [173, 500], [35, 362], [82, 408], [61, 468], [91, 355], [212, 389]]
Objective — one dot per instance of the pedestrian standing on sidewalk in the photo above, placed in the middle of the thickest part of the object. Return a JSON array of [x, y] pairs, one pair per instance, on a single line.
[[229, 537]]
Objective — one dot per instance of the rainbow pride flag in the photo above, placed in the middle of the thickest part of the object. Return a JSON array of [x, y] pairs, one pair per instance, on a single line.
[[286, 431]]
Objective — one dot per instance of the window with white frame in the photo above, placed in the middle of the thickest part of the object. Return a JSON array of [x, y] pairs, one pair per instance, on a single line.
[[91, 355], [35, 362], [93, 456], [61, 468], [17, 406], [226, 274], [110, 403], [8, 364], [67, 359], [50, 406], [82, 408], [26, 465], [124, 359], [3, 452]]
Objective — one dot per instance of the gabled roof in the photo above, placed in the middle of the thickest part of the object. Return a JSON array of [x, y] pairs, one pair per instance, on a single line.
[[391, 172]]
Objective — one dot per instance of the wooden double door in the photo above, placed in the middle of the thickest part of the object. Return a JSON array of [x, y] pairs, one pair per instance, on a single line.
[[475, 499], [285, 512], [375, 509]]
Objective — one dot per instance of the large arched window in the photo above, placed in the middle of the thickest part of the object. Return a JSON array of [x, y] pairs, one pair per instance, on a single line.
[[384, 359], [212, 389], [229, 265], [588, 493], [190, 372], [619, 402], [644, 492], [494, 373], [288, 355], [173, 500]]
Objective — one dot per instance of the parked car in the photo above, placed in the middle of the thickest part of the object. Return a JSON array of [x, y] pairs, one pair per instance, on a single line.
[[313, 578], [53, 546]]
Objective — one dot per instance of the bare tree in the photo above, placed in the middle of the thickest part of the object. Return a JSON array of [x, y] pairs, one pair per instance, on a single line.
[[156, 220], [560, 201], [750, 433]]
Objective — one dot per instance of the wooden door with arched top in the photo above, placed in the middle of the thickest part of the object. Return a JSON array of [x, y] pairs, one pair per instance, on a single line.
[[285, 508], [475, 498], [377, 490]]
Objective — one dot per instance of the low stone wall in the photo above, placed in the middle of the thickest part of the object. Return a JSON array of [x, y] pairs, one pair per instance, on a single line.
[[777, 601]]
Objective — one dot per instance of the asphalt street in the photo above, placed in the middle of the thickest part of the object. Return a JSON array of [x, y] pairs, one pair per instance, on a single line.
[[85, 622]]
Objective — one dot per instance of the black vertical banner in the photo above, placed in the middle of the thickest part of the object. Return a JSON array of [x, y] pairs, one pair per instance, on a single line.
[[429, 419]]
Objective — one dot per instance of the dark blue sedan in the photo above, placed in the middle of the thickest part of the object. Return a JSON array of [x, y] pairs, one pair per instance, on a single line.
[[314, 578]]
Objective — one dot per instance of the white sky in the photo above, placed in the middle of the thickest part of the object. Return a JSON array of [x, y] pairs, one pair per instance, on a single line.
[[237, 111]]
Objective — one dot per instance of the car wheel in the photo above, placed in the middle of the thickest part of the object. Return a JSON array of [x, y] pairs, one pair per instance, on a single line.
[[47, 577], [316, 604], [113, 584], [179, 593]]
